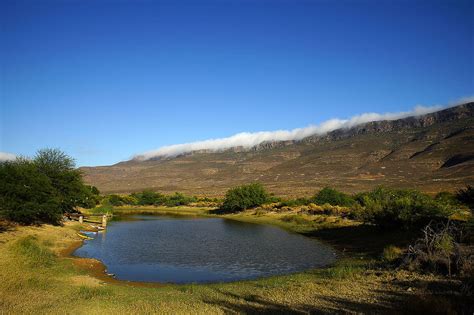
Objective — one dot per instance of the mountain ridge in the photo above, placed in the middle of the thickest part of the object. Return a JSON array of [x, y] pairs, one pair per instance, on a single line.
[[429, 152]]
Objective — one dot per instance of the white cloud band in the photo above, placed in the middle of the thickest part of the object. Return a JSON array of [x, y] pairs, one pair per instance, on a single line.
[[248, 140]]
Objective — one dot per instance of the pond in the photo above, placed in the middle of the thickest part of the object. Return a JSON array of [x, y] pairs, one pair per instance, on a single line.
[[164, 249]]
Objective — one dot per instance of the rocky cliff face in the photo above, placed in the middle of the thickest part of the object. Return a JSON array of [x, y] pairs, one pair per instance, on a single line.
[[450, 114], [432, 152]]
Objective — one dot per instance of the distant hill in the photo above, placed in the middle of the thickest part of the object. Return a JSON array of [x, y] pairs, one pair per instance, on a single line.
[[432, 152]]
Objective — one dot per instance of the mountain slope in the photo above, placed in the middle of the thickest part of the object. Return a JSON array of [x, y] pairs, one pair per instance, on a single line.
[[432, 152]]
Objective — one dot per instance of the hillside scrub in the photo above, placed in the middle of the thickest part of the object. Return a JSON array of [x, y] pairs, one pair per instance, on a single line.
[[405, 208], [41, 190], [149, 198]]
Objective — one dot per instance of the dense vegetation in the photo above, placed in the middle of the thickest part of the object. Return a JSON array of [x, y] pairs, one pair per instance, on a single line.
[[42, 189], [381, 206], [151, 198], [401, 207], [332, 197], [244, 197]]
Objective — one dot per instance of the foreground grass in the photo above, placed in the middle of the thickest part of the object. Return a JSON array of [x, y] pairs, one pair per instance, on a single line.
[[36, 277]]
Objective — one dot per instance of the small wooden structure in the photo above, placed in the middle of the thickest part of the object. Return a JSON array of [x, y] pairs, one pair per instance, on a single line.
[[81, 218]]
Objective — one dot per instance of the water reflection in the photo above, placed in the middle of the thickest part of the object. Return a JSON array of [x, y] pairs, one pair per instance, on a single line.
[[183, 250]]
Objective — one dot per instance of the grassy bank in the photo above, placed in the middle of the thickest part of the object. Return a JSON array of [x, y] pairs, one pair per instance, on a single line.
[[153, 210], [36, 276]]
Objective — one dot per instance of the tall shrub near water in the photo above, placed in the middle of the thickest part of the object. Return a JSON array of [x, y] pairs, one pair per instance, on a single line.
[[245, 197]]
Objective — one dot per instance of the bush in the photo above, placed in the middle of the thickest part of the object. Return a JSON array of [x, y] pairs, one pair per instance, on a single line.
[[405, 208], [148, 198], [448, 198], [438, 250], [333, 197], [245, 197], [115, 200], [178, 199]]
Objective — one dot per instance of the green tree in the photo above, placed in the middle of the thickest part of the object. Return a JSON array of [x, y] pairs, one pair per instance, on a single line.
[[65, 178], [245, 197], [42, 189], [26, 195]]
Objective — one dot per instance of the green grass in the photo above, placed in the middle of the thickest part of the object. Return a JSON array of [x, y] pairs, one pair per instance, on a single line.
[[345, 269], [33, 253]]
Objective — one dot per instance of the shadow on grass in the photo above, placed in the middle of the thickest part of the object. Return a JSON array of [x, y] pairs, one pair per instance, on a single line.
[[364, 240], [5, 226], [403, 297], [255, 304]]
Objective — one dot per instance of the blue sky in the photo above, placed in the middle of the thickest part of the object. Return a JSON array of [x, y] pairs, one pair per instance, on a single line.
[[104, 80]]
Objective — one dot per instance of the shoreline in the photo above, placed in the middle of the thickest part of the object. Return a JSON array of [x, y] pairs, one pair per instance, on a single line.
[[98, 269], [37, 261]]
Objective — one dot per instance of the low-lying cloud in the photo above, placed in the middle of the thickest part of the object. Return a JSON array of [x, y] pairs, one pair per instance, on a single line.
[[4, 156], [248, 140]]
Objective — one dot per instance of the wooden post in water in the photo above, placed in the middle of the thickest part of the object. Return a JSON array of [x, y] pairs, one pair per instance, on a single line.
[[81, 219], [104, 221]]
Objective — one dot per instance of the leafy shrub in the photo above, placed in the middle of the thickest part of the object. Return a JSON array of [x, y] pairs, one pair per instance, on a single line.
[[245, 197], [178, 199], [333, 197], [148, 198], [400, 208], [448, 198], [115, 200]]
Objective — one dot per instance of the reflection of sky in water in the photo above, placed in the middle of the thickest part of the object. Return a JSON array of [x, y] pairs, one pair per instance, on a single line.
[[182, 250]]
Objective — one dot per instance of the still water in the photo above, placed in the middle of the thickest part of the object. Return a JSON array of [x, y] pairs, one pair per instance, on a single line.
[[185, 250]]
